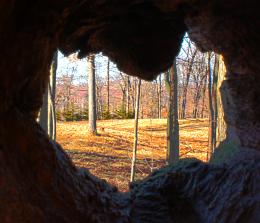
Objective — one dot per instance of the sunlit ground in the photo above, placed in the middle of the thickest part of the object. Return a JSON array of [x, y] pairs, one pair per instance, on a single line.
[[108, 155]]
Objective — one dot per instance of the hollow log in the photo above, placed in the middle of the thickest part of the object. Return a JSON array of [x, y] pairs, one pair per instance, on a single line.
[[39, 182]]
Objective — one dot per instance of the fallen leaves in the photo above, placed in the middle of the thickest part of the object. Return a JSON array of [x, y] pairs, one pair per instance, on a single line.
[[108, 155]]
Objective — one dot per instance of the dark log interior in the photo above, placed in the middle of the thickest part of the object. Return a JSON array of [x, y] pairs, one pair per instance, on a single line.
[[38, 181]]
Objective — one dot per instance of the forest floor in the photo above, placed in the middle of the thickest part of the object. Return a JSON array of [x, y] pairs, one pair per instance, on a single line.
[[108, 155]]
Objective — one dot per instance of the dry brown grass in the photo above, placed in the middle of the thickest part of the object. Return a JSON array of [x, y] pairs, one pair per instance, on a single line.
[[109, 155]]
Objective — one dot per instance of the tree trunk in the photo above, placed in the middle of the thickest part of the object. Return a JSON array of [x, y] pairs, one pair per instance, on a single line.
[[196, 105], [211, 113], [197, 95], [172, 122], [204, 95], [127, 94], [124, 97], [135, 90], [221, 124], [99, 102], [47, 113], [214, 99], [52, 90], [108, 85], [186, 85], [160, 97], [195, 100], [92, 95], [43, 119], [135, 131]]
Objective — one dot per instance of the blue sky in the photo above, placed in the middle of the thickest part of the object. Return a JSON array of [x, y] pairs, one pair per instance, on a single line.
[[71, 65]]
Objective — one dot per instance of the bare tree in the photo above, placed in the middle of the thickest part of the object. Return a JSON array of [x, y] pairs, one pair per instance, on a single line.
[[128, 89], [211, 112], [92, 94], [171, 80], [198, 76], [214, 98], [128, 94], [190, 56], [192, 92], [204, 88], [99, 96], [149, 105], [135, 131], [52, 90], [63, 96], [108, 85], [47, 117], [123, 85], [159, 91]]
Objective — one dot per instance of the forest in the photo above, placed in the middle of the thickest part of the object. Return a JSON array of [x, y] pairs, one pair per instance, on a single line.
[[116, 91], [181, 104]]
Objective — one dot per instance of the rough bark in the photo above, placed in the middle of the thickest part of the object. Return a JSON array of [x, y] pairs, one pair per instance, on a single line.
[[221, 124], [181, 193], [39, 183], [172, 117], [240, 108]]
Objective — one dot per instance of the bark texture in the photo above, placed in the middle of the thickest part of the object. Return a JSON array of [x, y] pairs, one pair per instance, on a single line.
[[221, 124], [39, 183]]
